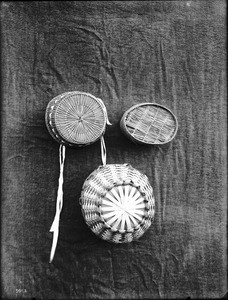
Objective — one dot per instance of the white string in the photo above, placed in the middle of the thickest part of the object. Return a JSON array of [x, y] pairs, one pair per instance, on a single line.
[[108, 123], [59, 203], [103, 147], [105, 110], [103, 151]]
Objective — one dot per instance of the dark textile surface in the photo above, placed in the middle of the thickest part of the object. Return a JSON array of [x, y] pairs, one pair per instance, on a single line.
[[125, 52]]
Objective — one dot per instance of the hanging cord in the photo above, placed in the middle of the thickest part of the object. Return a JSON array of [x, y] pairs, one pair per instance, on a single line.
[[103, 147], [103, 151], [108, 120], [59, 203]]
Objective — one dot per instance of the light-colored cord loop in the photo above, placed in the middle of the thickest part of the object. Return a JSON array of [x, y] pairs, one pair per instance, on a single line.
[[59, 203], [103, 151], [108, 122]]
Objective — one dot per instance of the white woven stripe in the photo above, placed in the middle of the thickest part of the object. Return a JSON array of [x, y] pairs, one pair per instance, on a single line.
[[107, 235]]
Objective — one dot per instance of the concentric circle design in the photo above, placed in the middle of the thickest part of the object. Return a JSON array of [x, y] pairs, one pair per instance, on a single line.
[[117, 203], [76, 118]]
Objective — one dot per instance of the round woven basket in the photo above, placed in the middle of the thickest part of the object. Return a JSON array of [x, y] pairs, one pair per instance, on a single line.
[[149, 123], [76, 118], [117, 203]]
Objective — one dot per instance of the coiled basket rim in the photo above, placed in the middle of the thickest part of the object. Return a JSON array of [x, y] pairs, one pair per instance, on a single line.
[[125, 130]]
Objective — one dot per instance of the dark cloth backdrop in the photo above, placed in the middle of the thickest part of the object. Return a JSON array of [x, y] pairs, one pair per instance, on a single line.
[[125, 52]]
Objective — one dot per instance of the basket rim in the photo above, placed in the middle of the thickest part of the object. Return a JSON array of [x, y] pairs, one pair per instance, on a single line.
[[122, 122]]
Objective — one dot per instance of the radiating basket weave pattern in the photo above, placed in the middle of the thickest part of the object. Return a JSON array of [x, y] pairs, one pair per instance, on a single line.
[[149, 123], [76, 118], [117, 203]]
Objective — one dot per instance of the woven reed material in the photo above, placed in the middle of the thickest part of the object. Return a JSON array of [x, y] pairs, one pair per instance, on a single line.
[[117, 203], [76, 118], [149, 123]]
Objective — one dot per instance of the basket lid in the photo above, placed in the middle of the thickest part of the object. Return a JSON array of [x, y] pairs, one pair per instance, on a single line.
[[117, 203], [149, 123], [76, 118]]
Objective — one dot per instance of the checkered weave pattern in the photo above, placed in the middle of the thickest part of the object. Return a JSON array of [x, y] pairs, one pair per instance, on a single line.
[[149, 123]]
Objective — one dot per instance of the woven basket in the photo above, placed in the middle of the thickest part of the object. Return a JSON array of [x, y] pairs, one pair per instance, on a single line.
[[76, 118], [149, 123], [117, 203]]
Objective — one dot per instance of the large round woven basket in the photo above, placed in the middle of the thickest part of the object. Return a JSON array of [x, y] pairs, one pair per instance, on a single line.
[[117, 203], [76, 118], [149, 123]]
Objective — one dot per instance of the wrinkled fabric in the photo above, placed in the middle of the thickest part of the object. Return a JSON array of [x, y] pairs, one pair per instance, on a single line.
[[124, 52]]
